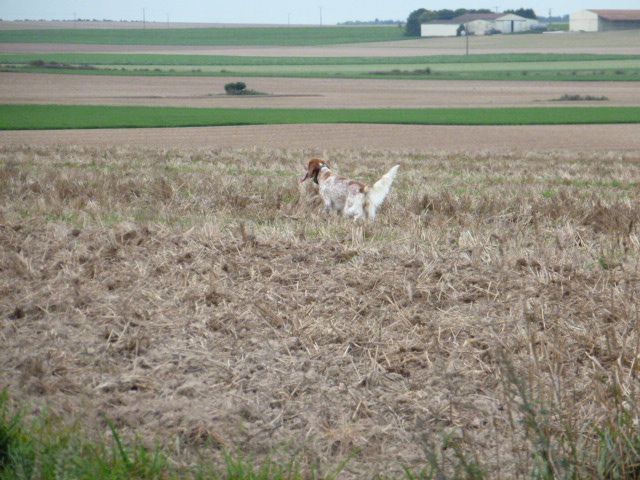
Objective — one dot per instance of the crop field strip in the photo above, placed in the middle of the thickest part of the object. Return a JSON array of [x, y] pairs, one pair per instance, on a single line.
[[226, 60], [46, 117], [542, 67], [313, 36], [611, 75], [294, 36]]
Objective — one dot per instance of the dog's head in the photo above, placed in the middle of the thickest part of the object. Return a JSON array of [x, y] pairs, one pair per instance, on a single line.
[[313, 168]]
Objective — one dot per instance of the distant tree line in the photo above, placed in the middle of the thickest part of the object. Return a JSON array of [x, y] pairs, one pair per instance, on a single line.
[[556, 18], [422, 15], [377, 21]]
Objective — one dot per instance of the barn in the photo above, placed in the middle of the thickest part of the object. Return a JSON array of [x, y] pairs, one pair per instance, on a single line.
[[511, 23], [604, 20], [478, 23]]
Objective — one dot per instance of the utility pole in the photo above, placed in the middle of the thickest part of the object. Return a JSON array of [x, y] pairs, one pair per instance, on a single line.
[[466, 38], [320, 15], [144, 19]]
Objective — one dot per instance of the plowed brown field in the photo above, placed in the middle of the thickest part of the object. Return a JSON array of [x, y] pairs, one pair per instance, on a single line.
[[319, 138], [299, 92]]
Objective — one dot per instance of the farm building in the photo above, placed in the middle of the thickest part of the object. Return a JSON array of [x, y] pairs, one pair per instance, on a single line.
[[478, 24], [511, 23], [439, 28], [604, 20]]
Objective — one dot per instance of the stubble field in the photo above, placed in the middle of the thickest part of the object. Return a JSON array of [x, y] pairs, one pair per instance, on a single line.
[[200, 299]]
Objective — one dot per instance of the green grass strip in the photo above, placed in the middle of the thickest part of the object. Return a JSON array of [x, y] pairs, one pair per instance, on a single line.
[[39, 117], [45, 448], [259, 36], [626, 71], [228, 60]]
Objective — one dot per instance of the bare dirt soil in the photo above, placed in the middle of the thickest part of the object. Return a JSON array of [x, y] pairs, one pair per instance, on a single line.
[[570, 138], [299, 92], [201, 299]]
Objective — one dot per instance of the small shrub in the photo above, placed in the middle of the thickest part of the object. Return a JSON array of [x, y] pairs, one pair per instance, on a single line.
[[235, 88], [580, 98], [54, 65], [397, 71], [240, 88]]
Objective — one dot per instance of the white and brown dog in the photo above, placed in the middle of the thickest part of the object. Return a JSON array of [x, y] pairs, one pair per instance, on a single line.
[[351, 198]]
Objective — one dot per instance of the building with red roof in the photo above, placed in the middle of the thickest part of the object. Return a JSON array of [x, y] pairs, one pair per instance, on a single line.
[[604, 20]]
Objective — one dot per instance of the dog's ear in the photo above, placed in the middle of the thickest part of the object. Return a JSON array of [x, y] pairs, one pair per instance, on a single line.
[[312, 167]]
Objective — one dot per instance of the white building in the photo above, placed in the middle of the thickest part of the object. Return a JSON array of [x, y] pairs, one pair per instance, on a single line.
[[478, 24], [604, 20], [442, 28]]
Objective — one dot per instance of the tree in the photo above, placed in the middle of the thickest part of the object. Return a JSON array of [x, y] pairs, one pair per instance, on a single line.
[[414, 20], [524, 12], [445, 14]]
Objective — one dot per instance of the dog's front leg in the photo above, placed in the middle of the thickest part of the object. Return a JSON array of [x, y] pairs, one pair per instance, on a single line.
[[331, 210], [328, 206]]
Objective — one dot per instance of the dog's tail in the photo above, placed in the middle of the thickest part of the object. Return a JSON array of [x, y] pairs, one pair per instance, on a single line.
[[376, 194]]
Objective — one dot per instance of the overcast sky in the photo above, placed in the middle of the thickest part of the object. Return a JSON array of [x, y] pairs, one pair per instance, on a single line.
[[269, 11]]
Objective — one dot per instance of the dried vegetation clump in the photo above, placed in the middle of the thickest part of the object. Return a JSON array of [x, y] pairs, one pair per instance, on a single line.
[[202, 300]]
